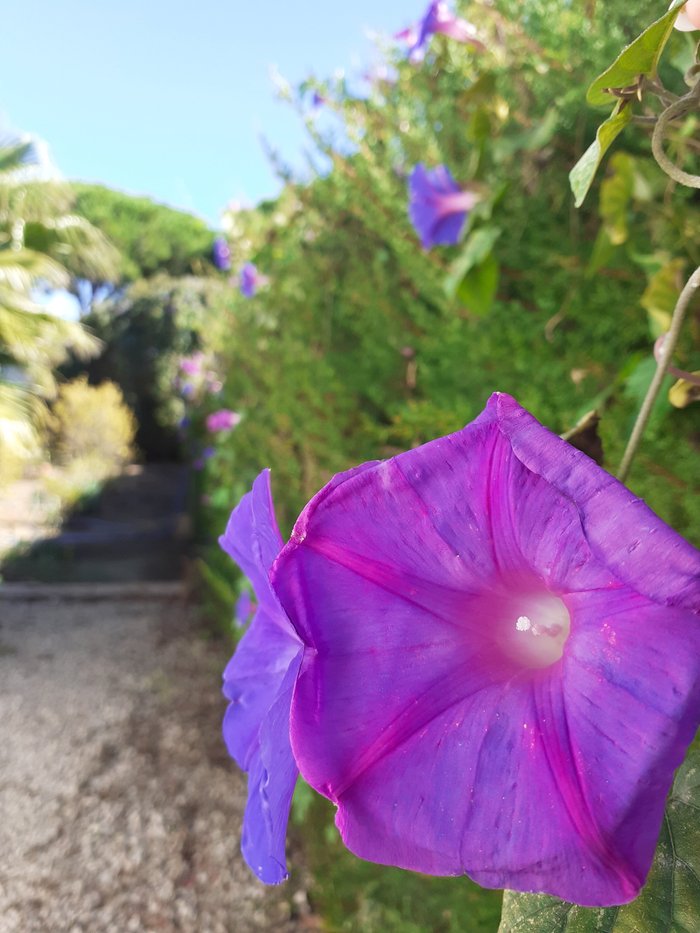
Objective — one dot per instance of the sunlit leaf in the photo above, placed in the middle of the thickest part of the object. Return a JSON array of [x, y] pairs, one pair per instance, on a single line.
[[641, 57], [582, 174], [661, 294], [670, 900]]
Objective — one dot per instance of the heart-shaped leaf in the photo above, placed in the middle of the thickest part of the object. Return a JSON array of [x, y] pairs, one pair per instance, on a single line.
[[582, 174], [641, 57], [670, 900]]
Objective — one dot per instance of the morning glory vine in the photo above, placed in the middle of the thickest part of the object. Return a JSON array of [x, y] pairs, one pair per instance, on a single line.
[[485, 650]]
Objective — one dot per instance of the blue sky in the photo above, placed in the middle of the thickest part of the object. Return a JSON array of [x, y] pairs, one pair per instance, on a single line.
[[169, 99]]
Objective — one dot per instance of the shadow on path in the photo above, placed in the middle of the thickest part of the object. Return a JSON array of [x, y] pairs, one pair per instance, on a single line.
[[136, 529]]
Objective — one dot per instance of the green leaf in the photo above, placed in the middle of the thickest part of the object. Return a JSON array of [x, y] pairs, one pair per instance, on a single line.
[[582, 174], [641, 57], [661, 294], [477, 247], [615, 194], [478, 288], [670, 900]]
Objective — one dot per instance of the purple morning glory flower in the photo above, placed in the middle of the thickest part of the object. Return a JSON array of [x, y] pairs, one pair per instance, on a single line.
[[222, 420], [258, 681], [221, 254], [244, 609], [250, 280], [501, 667], [438, 18], [437, 206]]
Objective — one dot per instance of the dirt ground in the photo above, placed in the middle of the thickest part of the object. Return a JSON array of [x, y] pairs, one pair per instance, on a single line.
[[119, 809]]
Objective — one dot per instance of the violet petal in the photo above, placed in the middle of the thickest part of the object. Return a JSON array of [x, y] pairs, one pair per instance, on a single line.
[[503, 661], [258, 681]]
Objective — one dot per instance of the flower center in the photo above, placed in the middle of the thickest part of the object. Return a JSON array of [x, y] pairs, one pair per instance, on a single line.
[[457, 202], [535, 629]]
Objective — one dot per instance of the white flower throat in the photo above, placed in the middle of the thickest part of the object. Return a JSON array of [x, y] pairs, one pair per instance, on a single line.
[[537, 629]]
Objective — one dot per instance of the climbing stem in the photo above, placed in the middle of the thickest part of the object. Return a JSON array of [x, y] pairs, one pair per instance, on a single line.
[[664, 361]]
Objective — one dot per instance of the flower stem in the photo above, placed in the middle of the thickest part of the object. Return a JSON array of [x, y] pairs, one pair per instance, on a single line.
[[665, 356]]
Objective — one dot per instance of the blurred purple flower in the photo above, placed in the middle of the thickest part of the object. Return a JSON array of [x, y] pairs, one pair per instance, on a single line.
[[250, 280], [501, 665], [318, 100], [438, 18], [258, 681], [192, 365], [221, 254], [438, 207], [222, 420], [244, 609], [206, 454], [212, 383]]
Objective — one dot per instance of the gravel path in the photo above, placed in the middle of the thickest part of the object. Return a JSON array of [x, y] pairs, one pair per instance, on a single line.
[[119, 810]]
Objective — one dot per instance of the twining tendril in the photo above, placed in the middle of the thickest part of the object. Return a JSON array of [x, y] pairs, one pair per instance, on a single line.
[[685, 104]]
